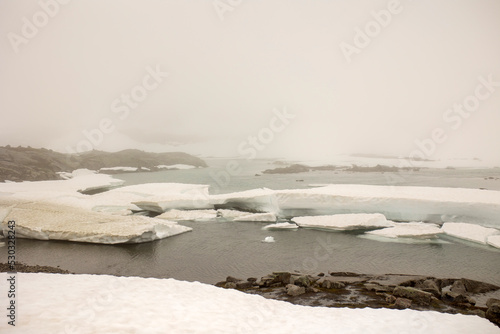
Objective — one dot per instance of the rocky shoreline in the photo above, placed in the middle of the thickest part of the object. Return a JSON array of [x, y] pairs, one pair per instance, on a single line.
[[344, 289]]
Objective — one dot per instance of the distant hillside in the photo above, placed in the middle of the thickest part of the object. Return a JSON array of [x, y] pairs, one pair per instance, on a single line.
[[30, 164]]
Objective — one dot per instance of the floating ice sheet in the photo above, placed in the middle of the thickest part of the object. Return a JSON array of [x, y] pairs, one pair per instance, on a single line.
[[470, 232], [355, 221], [409, 230], [257, 217]]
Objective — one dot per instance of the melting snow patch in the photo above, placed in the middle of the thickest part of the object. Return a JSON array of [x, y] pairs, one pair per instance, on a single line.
[[172, 306], [354, 221], [470, 232], [177, 166]]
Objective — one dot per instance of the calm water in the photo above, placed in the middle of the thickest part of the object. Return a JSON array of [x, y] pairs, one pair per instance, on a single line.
[[214, 250]]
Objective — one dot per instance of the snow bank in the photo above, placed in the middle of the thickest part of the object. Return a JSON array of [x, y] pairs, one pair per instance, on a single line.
[[108, 304], [399, 203], [409, 230], [118, 168], [176, 166], [353, 221], [188, 214], [281, 226], [80, 181], [46, 221], [257, 217], [470, 232]]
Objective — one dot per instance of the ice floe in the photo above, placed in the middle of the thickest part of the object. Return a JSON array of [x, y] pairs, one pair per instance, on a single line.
[[268, 239], [398, 203], [494, 240], [409, 230], [45, 221], [230, 214], [257, 217], [109, 304], [188, 215], [255, 200], [281, 226], [469, 232], [355, 221]]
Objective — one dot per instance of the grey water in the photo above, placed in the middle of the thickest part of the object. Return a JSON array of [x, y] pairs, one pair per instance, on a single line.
[[216, 249]]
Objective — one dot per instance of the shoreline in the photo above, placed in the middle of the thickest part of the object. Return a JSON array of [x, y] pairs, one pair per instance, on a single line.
[[353, 290]]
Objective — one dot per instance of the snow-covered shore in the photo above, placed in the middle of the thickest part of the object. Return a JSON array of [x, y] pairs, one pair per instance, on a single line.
[[54, 303]]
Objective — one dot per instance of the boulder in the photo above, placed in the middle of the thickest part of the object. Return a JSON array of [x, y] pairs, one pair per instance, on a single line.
[[493, 312], [233, 279], [230, 285], [282, 277], [243, 285], [328, 284], [377, 287], [458, 287], [416, 295], [402, 303], [457, 298], [304, 281], [472, 286], [294, 290], [429, 285]]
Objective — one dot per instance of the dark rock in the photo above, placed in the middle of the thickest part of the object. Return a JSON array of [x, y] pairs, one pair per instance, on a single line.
[[252, 279], [304, 281], [477, 312], [311, 289], [459, 287], [377, 287], [492, 301], [472, 286], [321, 274], [233, 279], [230, 285], [220, 284], [390, 299], [429, 286], [244, 285], [493, 312], [457, 298], [328, 284], [416, 295], [294, 290], [402, 303], [282, 277]]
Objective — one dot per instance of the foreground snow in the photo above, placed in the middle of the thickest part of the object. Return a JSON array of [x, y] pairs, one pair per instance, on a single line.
[[353, 221], [54, 303]]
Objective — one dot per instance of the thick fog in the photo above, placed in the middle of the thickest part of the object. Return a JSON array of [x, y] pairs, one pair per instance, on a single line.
[[253, 78]]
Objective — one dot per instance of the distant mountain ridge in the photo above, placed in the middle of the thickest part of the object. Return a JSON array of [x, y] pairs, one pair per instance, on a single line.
[[32, 164]]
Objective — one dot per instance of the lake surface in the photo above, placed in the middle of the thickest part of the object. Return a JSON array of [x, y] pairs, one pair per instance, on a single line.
[[216, 249]]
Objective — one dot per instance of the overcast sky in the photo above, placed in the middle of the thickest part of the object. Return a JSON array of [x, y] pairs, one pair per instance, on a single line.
[[344, 76]]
